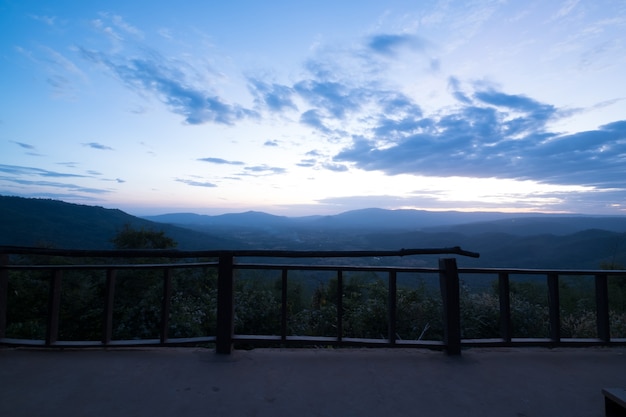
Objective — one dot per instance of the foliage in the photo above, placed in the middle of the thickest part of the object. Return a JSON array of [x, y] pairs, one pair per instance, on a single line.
[[131, 238], [480, 315], [81, 318], [193, 303], [257, 307], [419, 314], [27, 304], [529, 309]]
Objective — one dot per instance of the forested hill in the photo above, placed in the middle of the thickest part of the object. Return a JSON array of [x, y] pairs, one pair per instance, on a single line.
[[53, 223]]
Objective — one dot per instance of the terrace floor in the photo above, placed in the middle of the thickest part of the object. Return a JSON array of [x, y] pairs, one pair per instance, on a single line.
[[156, 382]]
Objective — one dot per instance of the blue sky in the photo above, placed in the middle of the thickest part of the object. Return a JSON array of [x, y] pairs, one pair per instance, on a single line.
[[315, 107]]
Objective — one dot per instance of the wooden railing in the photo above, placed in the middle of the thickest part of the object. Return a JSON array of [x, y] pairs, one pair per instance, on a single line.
[[225, 264]]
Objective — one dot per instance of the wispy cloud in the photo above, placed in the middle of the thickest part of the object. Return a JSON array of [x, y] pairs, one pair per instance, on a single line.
[[23, 145], [196, 183], [62, 63], [163, 78], [307, 163], [115, 28], [21, 170], [99, 146], [566, 8], [30, 149], [30, 177], [313, 119], [62, 74], [261, 170], [64, 185], [390, 44], [335, 167], [275, 97], [166, 33], [220, 161], [336, 98], [68, 164], [119, 22], [48, 20]]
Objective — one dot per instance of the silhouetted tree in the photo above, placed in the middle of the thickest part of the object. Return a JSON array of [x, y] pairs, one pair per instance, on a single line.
[[130, 238]]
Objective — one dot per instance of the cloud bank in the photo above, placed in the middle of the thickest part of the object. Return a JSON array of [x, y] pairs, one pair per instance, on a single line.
[[489, 133]]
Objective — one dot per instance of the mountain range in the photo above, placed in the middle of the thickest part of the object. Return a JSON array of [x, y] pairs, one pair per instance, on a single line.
[[402, 220], [502, 239]]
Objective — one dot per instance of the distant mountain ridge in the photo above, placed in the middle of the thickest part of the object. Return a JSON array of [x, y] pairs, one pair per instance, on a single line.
[[371, 218], [431, 221], [502, 239], [553, 224], [247, 219]]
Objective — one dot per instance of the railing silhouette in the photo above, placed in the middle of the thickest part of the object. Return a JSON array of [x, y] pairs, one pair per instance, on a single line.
[[224, 262]]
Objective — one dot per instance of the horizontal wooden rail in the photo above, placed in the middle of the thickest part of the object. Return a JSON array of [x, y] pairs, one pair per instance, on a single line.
[[170, 253]]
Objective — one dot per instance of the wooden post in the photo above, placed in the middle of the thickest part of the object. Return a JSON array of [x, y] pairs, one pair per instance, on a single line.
[[339, 305], [450, 295], [393, 306], [4, 289], [109, 292], [54, 306], [504, 295], [554, 308], [602, 308], [225, 305], [166, 304]]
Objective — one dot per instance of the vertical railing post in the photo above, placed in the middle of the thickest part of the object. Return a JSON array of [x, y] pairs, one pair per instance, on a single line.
[[109, 293], [4, 289], [284, 307], [166, 304], [602, 308], [339, 305], [393, 306], [504, 295], [225, 305], [54, 306], [450, 295], [554, 308]]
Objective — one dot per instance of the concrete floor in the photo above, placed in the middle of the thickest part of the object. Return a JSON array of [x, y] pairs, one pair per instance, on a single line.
[[170, 382]]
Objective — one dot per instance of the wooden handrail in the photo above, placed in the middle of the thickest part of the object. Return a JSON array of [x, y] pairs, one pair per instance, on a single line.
[[169, 253]]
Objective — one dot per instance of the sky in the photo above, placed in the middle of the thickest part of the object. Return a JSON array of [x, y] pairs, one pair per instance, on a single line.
[[315, 107]]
